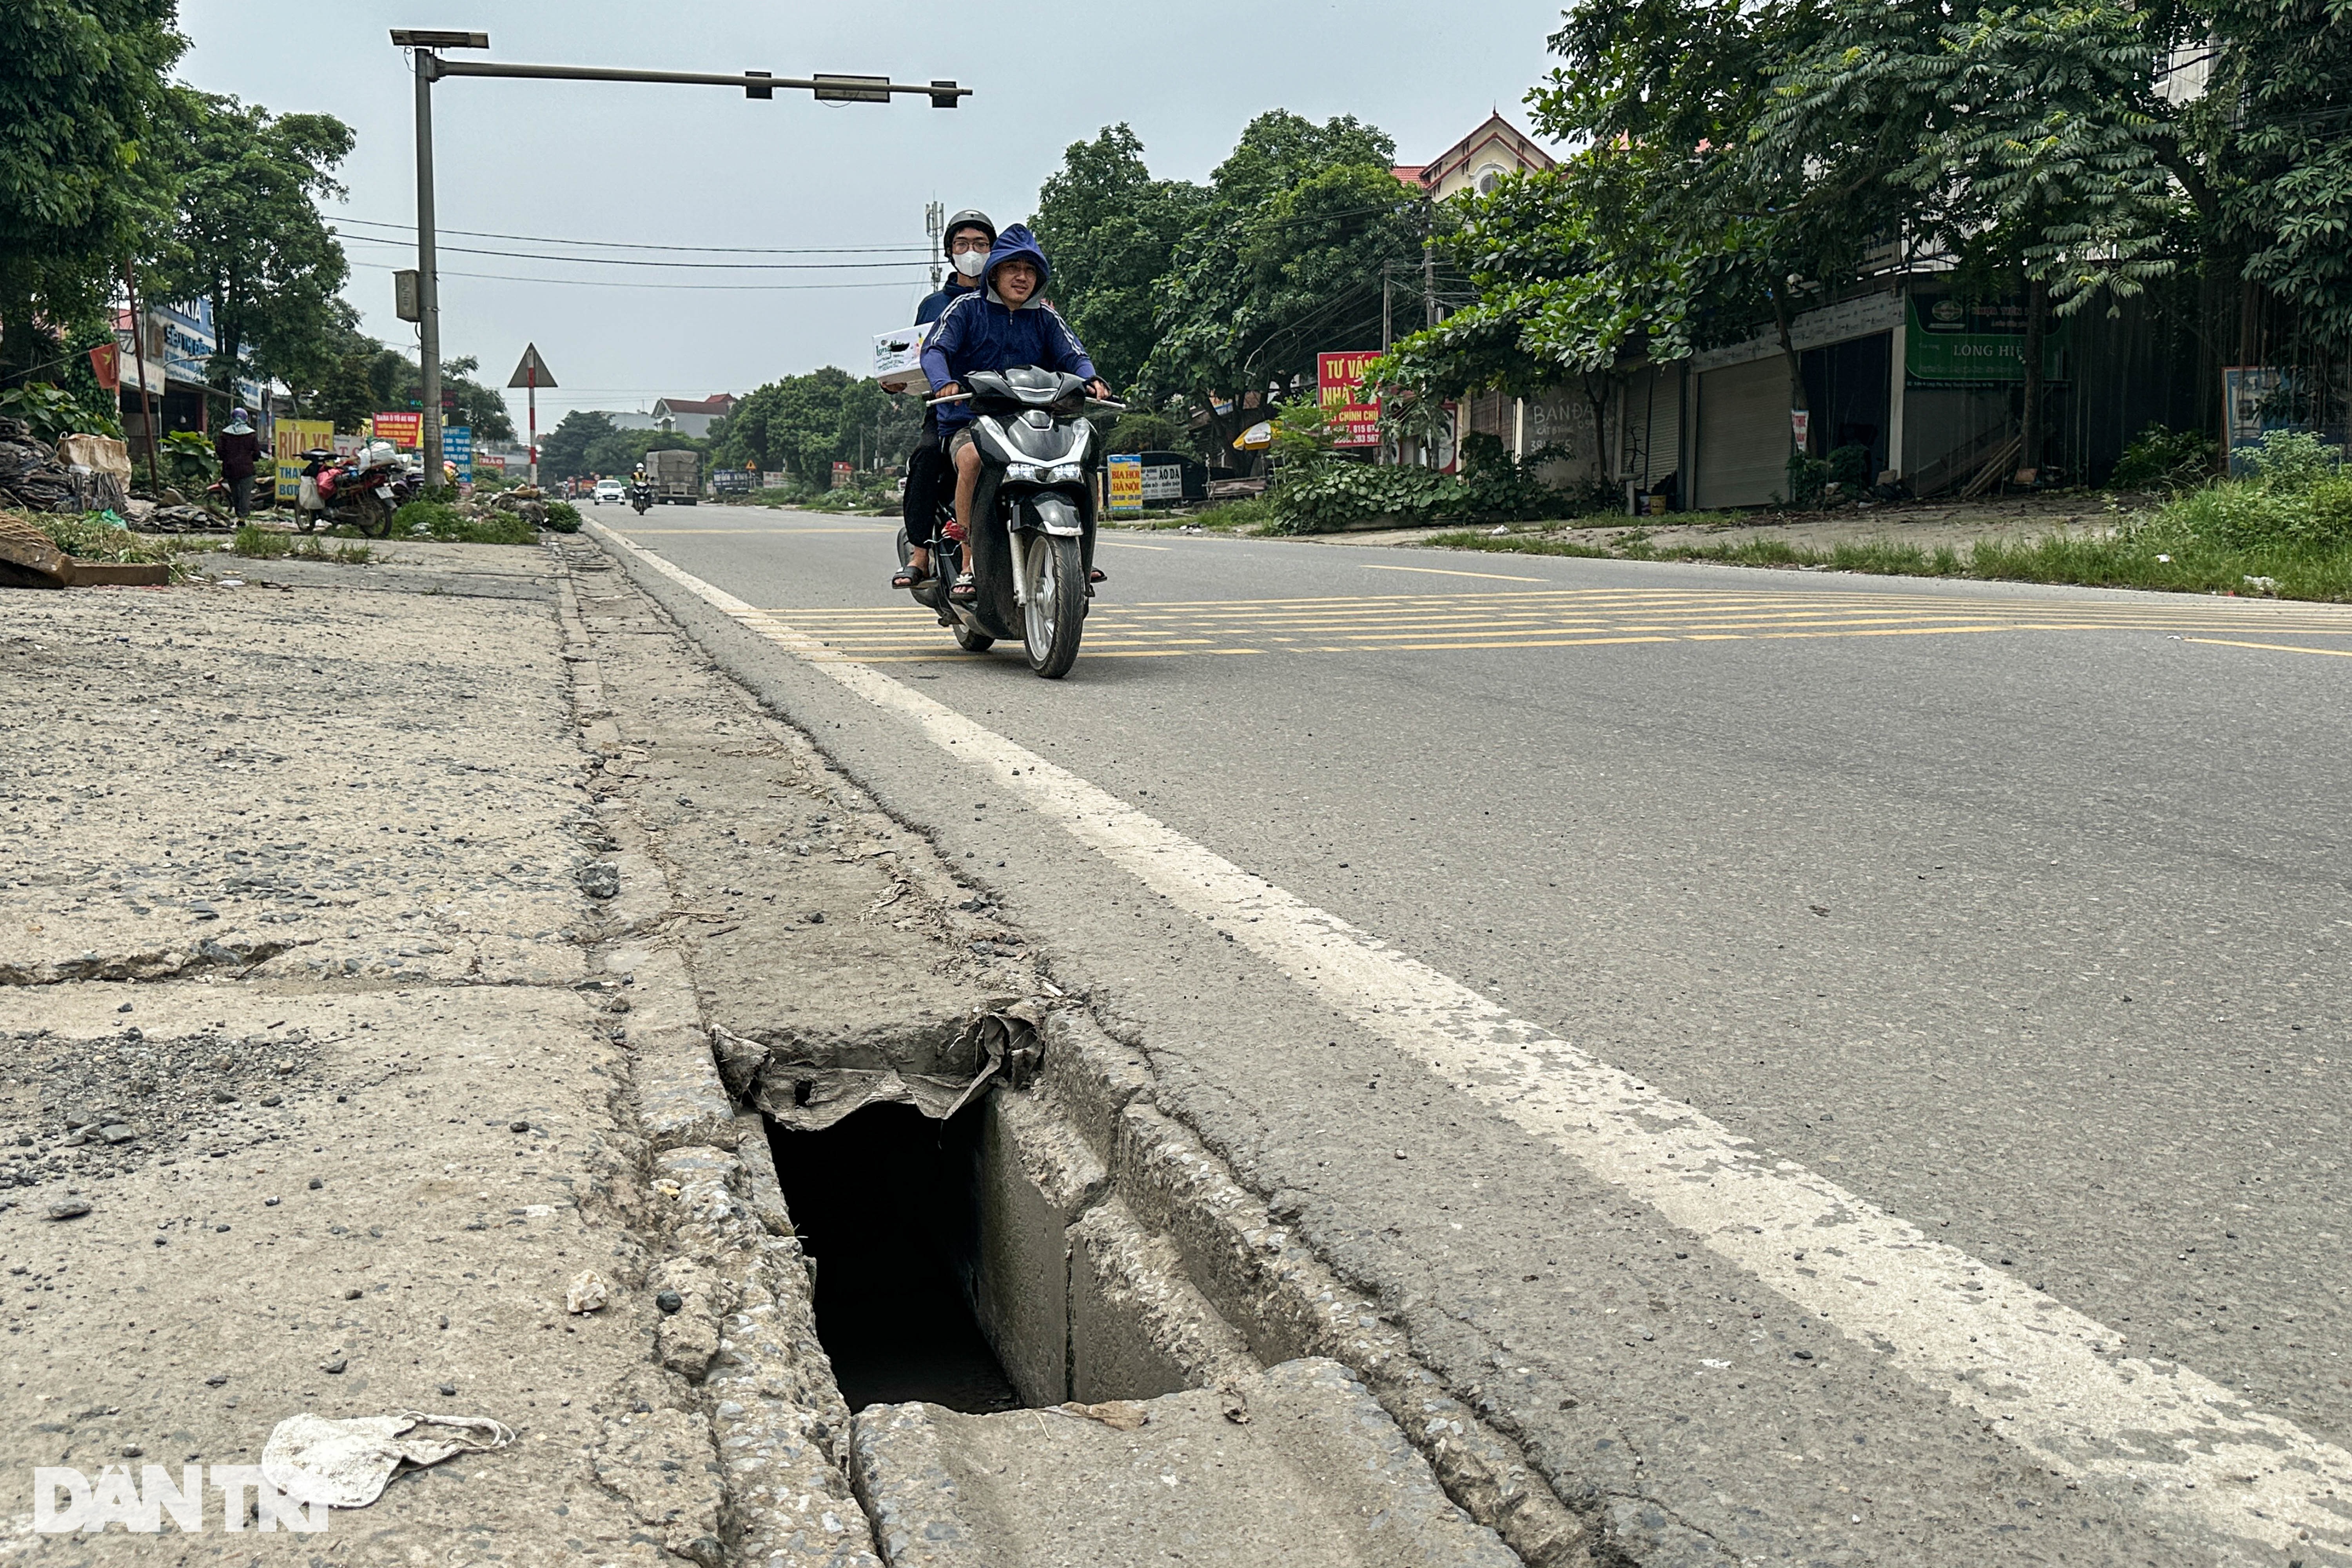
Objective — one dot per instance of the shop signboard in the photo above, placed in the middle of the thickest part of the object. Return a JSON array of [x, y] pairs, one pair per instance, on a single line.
[[1162, 482], [1952, 341], [289, 439], [404, 428], [2255, 400], [458, 448], [1352, 420], [842, 474], [1124, 483]]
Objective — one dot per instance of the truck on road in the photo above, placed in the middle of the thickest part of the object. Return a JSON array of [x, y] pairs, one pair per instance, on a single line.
[[675, 477]]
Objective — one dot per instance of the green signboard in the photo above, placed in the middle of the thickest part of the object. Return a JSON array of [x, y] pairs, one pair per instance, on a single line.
[[1975, 343]]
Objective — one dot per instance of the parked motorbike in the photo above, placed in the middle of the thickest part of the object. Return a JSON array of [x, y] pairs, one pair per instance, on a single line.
[[1032, 529], [362, 491], [641, 496]]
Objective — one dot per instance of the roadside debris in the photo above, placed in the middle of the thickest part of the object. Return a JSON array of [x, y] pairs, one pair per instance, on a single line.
[[587, 1294], [345, 1464]]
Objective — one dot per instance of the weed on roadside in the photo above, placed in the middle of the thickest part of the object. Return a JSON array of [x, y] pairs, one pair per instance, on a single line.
[[88, 536]]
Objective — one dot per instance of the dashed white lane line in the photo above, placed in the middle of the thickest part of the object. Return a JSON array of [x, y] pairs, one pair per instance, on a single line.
[[2044, 1376]]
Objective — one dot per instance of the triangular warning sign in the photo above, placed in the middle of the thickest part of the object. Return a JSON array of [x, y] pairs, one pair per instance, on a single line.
[[530, 364]]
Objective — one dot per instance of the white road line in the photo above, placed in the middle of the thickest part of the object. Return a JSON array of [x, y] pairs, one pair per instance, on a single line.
[[2157, 1433]]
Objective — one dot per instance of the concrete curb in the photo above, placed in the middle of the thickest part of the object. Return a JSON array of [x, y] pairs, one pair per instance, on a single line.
[[745, 1330]]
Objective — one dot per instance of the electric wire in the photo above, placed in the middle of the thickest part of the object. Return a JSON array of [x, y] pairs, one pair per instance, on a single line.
[[634, 283], [636, 261], [628, 244]]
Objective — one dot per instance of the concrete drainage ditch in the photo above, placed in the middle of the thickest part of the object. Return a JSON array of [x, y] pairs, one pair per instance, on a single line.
[[947, 1284], [1037, 1379]]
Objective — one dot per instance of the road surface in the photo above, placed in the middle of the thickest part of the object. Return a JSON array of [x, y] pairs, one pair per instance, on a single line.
[[1843, 1069]]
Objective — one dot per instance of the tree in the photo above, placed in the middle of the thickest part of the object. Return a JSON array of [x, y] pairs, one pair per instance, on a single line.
[[1283, 260], [82, 87], [249, 236], [804, 424], [1111, 230], [565, 455]]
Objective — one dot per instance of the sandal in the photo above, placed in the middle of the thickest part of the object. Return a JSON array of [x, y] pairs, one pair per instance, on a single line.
[[963, 591], [1097, 574], [909, 575]]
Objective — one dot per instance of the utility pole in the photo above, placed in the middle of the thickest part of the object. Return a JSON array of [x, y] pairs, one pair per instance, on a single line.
[[1428, 258], [428, 274], [139, 352], [1388, 325], [431, 67]]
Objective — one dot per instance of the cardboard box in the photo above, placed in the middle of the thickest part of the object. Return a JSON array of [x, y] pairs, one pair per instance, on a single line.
[[899, 358]]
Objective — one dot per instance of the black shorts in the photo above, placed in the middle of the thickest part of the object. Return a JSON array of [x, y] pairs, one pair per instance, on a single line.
[[929, 482]]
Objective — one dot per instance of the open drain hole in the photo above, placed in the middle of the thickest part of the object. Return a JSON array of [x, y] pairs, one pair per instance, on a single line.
[[883, 1201]]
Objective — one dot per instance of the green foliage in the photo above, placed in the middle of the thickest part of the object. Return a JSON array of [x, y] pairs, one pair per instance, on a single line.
[[247, 235], [81, 94], [52, 413], [427, 518], [562, 517], [803, 424], [1283, 260], [2162, 459], [2276, 111], [1111, 230], [100, 536], [2291, 461], [188, 460], [1316, 497], [259, 543], [1850, 469], [1141, 430]]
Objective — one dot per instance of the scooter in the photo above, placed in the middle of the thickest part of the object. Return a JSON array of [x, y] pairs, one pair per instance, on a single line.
[[1032, 532], [362, 491], [641, 496]]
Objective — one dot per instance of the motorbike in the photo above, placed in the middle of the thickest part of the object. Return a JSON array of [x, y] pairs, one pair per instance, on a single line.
[[1033, 531], [362, 491], [641, 496]]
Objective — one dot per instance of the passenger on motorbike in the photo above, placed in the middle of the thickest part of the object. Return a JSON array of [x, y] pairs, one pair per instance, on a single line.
[[1005, 323], [969, 235]]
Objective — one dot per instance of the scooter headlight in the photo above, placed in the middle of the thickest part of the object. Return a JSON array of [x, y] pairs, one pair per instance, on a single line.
[[1065, 473], [1024, 473]]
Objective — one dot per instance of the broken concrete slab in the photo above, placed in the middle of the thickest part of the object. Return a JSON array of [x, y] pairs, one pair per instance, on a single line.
[[1035, 1177], [1137, 1327], [1299, 1464]]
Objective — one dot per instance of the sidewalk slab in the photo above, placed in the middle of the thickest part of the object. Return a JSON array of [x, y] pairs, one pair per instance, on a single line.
[[1298, 1464]]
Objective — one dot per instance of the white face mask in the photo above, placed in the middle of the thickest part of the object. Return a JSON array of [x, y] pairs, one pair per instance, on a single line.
[[972, 263]]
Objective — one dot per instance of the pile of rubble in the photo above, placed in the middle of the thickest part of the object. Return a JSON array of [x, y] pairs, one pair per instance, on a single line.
[[524, 502], [31, 477]]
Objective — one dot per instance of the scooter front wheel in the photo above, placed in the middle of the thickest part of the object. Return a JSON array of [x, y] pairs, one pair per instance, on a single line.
[[1056, 605]]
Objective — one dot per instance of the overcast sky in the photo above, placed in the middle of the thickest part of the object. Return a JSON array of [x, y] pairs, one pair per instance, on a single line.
[[705, 166]]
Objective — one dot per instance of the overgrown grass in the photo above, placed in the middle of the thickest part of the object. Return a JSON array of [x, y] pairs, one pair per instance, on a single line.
[[257, 543], [439, 520], [2287, 531], [2133, 557], [88, 536]]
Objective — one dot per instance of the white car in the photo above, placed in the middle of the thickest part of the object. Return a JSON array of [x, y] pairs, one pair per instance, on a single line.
[[610, 490]]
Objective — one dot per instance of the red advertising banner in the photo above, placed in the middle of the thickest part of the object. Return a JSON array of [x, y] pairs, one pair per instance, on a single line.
[[400, 429], [1340, 382]]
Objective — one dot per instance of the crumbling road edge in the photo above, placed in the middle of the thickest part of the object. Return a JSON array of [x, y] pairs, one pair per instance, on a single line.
[[739, 1319], [1285, 1299]]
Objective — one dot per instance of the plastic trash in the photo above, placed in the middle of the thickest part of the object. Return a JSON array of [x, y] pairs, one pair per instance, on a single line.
[[345, 1464]]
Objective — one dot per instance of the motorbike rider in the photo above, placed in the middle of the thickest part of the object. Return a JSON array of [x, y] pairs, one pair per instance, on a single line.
[[971, 235], [1003, 323]]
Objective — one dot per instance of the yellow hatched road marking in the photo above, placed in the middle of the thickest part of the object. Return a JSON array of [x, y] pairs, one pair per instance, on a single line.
[[2274, 646]]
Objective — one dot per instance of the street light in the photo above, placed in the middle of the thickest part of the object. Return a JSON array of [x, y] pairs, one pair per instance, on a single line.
[[431, 67]]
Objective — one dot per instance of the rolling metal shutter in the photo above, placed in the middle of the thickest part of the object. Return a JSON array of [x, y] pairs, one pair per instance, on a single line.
[[1743, 434]]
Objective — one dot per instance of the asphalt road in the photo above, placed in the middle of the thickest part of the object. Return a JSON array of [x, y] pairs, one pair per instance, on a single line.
[[2019, 914]]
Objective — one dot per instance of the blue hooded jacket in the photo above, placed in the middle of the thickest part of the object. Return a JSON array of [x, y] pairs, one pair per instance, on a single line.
[[981, 332]]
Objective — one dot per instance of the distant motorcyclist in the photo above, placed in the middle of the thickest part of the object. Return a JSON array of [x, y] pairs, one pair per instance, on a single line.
[[1005, 323], [971, 235]]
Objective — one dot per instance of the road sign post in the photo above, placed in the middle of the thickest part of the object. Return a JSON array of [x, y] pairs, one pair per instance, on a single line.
[[530, 374]]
